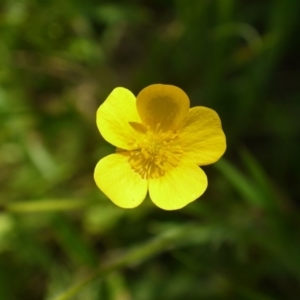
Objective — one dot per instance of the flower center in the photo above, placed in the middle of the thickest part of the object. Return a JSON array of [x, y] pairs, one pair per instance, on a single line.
[[156, 153]]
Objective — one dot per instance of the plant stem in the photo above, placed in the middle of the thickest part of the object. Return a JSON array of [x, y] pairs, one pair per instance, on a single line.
[[137, 254]]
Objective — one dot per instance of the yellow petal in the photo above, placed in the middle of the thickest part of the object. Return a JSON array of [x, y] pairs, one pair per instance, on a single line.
[[116, 179], [201, 136], [166, 105], [116, 118], [178, 187]]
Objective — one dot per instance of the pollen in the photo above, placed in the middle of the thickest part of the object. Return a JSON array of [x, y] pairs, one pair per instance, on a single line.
[[156, 153]]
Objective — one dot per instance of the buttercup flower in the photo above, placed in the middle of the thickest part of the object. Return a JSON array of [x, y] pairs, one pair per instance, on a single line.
[[161, 142]]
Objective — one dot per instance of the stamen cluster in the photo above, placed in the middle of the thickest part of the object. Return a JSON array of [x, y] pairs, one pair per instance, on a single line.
[[155, 153]]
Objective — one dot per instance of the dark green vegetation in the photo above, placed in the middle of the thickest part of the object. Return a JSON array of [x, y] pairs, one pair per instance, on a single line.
[[58, 62]]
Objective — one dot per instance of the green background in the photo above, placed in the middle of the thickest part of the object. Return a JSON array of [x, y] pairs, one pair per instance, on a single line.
[[58, 62]]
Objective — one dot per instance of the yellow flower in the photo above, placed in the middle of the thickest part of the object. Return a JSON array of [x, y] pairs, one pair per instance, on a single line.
[[160, 143]]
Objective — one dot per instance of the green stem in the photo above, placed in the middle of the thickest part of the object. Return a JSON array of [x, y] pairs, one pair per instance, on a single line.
[[45, 205], [139, 253]]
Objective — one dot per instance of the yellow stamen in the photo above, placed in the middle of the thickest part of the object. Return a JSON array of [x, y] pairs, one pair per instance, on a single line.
[[156, 153]]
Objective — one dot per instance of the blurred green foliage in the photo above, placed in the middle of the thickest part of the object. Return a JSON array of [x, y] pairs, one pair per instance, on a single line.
[[58, 62]]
